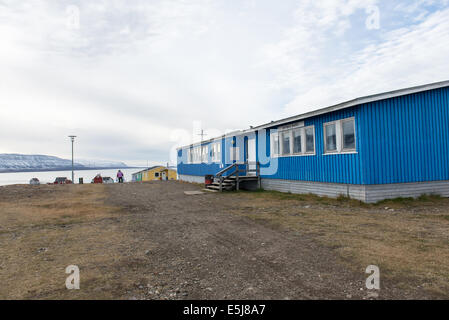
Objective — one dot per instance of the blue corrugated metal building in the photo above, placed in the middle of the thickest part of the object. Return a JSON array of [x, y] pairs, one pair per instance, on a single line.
[[394, 144]]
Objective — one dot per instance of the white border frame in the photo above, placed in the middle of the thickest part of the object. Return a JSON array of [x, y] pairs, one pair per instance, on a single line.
[[339, 137], [272, 153], [290, 129], [218, 144], [343, 149]]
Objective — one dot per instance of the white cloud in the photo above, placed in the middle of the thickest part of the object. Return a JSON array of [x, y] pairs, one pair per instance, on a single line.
[[134, 74], [322, 75]]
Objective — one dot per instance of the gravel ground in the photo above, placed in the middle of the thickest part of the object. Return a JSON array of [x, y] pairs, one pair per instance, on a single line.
[[196, 249], [153, 241]]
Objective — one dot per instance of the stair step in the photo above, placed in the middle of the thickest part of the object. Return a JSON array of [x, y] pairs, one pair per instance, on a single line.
[[224, 181], [218, 187], [224, 184]]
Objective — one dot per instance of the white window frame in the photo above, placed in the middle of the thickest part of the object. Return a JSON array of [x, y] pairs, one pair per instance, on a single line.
[[234, 154], [305, 152], [188, 156], [203, 154], [289, 130], [216, 152], [343, 149], [195, 154], [301, 137], [339, 137], [274, 153], [281, 141]]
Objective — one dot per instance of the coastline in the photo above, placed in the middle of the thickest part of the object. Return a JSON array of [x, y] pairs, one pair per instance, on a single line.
[[65, 169]]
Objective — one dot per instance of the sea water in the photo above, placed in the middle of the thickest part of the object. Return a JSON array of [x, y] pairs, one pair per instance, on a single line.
[[50, 176]]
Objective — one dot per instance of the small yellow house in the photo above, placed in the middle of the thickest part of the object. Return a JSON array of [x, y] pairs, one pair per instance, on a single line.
[[155, 173]]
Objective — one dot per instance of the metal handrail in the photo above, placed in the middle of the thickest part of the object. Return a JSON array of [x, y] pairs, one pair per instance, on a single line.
[[237, 172], [220, 173]]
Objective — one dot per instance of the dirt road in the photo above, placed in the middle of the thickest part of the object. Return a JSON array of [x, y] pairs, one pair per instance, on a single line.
[[199, 250], [152, 241]]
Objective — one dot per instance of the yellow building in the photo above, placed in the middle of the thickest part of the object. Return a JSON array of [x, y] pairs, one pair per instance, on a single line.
[[155, 173]]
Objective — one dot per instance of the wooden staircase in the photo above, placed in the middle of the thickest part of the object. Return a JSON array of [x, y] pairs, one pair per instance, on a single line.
[[238, 174]]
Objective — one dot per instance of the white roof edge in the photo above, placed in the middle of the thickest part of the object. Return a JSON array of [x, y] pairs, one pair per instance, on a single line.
[[340, 106], [201, 142], [359, 101]]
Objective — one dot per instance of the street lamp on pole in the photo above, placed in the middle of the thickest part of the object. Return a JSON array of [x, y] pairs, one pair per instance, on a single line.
[[72, 138]]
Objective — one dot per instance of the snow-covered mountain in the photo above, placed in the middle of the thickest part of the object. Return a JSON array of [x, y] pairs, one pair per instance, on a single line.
[[21, 162], [101, 163]]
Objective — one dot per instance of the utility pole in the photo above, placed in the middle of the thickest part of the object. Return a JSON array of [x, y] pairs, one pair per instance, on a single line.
[[72, 138], [202, 134]]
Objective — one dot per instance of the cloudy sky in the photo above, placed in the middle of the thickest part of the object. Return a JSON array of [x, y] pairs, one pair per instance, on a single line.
[[134, 78]]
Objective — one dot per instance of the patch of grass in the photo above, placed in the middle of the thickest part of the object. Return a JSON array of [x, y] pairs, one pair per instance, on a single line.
[[344, 200], [411, 243], [421, 201], [44, 234], [286, 195], [308, 198]]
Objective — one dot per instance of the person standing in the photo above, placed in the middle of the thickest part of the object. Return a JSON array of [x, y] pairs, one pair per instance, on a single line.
[[120, 176]]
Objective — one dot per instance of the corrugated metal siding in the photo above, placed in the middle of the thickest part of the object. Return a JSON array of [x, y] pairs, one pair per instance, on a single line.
[[406, 139], [200, 169], [332, 190], [229, 142], [336, 168], [398, 140], [197, 169], [375, 193]]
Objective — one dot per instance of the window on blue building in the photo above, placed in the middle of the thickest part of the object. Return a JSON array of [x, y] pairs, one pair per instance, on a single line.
[[216, 152], [203, 151], [190, 155], [275, 144], [293, 141], [297, 141], [331, 137], [194, 154], [339, 136], [348, 131], [286, 142], [310, 139]]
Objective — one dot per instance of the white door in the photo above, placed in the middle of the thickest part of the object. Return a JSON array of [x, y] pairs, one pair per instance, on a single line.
[[252, 156], [164, 175]]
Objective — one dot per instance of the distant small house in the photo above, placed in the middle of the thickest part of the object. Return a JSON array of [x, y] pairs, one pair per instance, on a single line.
[[97, 179], [108, 180], [62, 180], [35, 182], [155, 173]]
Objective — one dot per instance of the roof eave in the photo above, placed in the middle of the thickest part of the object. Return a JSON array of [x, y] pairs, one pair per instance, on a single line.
[[340, 106]]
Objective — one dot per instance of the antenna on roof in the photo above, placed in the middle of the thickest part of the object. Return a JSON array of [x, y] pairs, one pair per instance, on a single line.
[[202, 134]]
